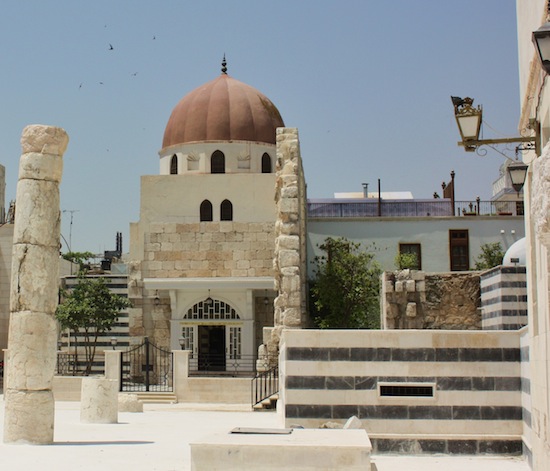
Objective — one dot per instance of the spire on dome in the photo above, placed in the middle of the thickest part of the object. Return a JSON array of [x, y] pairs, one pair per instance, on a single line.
[[224, 65]]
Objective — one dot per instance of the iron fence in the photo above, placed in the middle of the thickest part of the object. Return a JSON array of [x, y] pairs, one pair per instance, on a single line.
[[67, 364]]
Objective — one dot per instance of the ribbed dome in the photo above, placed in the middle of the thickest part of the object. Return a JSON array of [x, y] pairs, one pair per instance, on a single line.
[[223, 110]]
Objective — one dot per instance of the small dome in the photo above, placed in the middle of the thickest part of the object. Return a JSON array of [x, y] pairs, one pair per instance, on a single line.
[[516, 251], [223, 109]]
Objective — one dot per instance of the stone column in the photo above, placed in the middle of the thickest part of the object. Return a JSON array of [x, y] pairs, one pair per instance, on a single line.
[[32, 336], [289, 260]]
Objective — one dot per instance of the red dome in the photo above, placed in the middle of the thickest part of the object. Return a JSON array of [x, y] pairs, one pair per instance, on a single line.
[[223, 110]]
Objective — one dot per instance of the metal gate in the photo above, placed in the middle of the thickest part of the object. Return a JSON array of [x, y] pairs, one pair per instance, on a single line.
[[147, 368]]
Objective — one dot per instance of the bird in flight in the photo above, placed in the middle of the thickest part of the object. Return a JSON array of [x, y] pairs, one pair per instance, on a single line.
[[134, 74], [111, 47]]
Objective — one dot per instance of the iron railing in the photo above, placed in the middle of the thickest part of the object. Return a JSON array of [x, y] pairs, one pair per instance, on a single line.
[[264, 385], [67, 365], [213, 364], [412, 208]]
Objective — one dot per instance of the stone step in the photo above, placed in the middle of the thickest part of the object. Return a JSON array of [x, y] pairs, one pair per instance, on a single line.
[[268, 404], [156, 397]]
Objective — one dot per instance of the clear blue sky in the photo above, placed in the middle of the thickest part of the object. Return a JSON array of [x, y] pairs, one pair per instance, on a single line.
[[367, 83]]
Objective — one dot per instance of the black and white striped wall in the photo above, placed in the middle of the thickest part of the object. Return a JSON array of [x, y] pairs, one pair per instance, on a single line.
[[414, 391], [504, 298]]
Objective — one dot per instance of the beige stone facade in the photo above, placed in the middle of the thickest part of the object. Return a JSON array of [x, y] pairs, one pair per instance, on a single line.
[[209, 249]]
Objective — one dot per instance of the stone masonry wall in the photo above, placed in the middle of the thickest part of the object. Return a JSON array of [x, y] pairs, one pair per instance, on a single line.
[[417, 300], [209, 249]]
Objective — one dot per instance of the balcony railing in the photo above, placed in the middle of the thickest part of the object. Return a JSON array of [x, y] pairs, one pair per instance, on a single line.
[[412, 208]]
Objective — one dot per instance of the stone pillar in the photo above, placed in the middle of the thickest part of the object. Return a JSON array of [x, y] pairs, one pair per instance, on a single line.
[[113, 364], [181, 373], [290, 241], [32, 337]]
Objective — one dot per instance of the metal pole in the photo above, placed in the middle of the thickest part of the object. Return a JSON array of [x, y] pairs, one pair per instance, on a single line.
[[379, 200], [147, 364]]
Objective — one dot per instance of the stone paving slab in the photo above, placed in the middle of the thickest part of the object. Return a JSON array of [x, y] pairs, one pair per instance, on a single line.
[[158, 440]]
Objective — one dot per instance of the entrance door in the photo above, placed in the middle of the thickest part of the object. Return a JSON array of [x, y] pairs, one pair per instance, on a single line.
[[211, 347]]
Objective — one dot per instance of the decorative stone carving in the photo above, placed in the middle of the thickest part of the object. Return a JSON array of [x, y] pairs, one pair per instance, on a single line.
[[32, 338]]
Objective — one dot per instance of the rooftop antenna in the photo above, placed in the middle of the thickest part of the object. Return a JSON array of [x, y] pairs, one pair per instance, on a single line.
[[72, 211]]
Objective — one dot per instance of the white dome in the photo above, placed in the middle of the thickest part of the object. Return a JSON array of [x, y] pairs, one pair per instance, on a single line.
[[516, 251]]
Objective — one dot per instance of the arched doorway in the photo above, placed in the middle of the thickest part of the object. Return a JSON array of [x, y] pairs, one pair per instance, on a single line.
[[209, 330]]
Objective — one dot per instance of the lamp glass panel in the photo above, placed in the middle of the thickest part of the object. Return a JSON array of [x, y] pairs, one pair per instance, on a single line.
[[517, 174], [469, 126], [543, 43]]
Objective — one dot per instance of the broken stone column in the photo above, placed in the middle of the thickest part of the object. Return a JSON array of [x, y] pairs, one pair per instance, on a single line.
[[289, 261], [32, 336], [99, 400]]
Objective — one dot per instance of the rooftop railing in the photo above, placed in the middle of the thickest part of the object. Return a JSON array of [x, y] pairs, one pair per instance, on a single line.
[[411, 208]]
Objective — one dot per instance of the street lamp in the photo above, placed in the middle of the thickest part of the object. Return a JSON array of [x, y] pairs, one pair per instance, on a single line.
[[469, 119], [181, 340], [517, 172], [114, 342], [541, 39]]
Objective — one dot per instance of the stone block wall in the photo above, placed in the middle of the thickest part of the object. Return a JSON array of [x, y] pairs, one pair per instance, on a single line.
[[412, 299], [209, 249], [414, 391], [504, 298]]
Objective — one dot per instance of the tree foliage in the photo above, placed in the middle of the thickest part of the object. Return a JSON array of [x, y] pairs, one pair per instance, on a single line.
[[406, 260], [89, 309], [345, 291], [491, 256], [80, 258]]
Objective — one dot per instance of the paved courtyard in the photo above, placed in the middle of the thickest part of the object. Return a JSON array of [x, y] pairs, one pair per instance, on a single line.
[[158, 440]]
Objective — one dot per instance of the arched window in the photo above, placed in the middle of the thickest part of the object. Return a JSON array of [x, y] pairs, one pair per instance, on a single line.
[[213, 310], [266, 163], [206, 211], [217, 162], [226, 211], [174, 165]]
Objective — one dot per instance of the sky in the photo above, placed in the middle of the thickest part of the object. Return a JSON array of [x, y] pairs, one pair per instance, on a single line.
[[367, 83]]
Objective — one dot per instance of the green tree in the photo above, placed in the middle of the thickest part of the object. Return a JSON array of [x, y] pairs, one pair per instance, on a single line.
[[80, 258], [89, 309], [491, 256], [345, 291]]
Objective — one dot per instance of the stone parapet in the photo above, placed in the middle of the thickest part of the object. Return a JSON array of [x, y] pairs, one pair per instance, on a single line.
[[414, 299]]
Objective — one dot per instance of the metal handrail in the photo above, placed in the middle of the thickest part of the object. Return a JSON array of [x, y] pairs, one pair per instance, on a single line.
[[264, 385]]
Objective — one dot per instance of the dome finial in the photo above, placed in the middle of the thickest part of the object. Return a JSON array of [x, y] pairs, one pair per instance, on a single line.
[[224, 65]]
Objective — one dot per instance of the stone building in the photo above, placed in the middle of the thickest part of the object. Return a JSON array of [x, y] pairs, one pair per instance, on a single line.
[[201, 271]]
